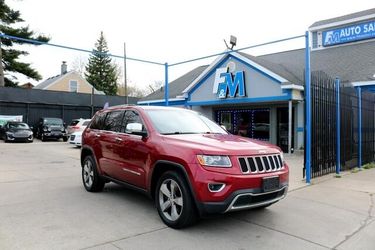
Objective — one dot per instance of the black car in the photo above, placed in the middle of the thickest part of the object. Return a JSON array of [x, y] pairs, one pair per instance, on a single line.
[[16, 131], [50, 128]]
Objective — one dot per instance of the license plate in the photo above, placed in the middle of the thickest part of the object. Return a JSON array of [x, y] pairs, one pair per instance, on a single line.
[[270, 183]]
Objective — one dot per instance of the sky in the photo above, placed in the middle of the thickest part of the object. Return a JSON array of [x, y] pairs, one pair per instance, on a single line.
[[167, 31]]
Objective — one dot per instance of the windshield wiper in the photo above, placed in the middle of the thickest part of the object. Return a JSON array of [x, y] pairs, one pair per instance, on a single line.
[[179, 133]]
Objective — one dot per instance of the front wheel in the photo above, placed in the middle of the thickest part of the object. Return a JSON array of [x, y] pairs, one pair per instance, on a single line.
[[174, 201], [90, 177]]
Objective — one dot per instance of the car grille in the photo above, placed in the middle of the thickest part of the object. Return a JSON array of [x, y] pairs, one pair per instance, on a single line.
[[260, 163], [72, 137]]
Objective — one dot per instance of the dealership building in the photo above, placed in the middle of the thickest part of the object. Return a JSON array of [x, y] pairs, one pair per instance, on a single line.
[[262, 97]]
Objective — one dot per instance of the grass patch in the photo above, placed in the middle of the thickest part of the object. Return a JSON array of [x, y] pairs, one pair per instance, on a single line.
[[369, 165], [355, 170]]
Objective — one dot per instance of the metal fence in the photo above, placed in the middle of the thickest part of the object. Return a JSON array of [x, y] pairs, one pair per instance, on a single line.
[[324, 126], [33, 104]]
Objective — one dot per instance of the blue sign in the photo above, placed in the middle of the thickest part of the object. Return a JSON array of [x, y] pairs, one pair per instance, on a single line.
[[349, 34], [228, 83]]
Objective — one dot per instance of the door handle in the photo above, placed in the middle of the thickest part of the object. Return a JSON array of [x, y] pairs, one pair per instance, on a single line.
[[97, 135], [117, 139]]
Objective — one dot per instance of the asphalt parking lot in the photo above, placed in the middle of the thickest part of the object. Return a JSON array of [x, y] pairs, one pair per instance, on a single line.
[[43, 205]]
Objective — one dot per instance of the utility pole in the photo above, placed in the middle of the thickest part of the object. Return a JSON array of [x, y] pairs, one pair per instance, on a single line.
[[2, 82], [125, 81]]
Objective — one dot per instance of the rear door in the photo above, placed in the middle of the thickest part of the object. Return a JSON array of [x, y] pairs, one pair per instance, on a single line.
[[108, 139]]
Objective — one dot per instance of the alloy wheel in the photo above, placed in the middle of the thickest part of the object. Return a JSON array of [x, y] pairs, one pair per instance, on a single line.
[[170, 199], [88, 174]]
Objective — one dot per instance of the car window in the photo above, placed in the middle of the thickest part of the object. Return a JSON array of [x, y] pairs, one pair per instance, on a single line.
[[85, 123], [132, 116], [182, 122], [18, 125], [98, 121], [53, 121], [113, 121], [74, 122]]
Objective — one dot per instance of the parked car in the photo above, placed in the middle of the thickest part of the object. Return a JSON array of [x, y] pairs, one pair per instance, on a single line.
[[16, 131], [51, 128], [188, 164], [77, 125], [76, 139]]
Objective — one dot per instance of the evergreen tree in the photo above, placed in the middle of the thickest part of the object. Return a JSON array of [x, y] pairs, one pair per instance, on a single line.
[[100, 71], [8, 55]]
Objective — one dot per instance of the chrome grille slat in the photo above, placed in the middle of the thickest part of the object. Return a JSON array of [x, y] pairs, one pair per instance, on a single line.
[[260, 163]]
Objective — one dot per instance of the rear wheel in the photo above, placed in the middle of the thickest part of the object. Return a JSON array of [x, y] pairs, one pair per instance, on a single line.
[[90, 177], [174, 201], [65, 139], [42, 137]]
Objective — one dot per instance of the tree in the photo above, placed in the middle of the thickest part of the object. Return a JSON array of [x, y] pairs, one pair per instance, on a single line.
[[154, 86], [133, 90], [10, 65], [100, 71], [79, 65]]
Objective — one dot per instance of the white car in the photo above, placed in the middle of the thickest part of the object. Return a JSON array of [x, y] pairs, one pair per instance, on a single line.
[[77, 125], [76, 138]]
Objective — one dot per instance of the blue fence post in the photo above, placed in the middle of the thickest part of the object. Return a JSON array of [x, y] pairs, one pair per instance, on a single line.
[[338, 127], [308, 108], [166, 87], [359, 92]]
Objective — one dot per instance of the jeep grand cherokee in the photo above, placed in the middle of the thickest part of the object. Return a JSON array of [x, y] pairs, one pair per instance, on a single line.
[[188, 164]]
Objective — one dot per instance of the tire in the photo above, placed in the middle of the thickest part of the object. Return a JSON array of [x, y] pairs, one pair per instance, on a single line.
[[65, 139], [174, 201], [90, 177], [42, 138]]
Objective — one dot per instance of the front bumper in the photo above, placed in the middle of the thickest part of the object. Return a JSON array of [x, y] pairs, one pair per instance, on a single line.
[[239, 191], [54, 134], [243, 199]]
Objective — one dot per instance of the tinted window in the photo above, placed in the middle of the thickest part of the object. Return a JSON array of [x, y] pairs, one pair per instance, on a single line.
[[98, 121], [85, 123], [131, 117], [53, 121], [74, 122], [18, 125], [113, 121]]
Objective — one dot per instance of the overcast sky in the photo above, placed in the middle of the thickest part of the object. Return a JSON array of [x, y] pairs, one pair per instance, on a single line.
[[168, 30]]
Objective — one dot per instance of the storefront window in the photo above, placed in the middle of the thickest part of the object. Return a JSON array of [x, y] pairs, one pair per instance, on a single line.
[[252, 123]]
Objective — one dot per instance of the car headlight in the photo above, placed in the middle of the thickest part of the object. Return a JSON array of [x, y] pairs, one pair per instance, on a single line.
[[62, 129], [282, 156], [214, 161]]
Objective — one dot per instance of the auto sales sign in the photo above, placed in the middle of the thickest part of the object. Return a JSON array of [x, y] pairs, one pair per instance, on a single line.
[[348, 34], [229, 82]]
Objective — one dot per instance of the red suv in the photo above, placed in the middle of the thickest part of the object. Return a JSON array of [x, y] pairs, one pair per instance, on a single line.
[[188, 164]]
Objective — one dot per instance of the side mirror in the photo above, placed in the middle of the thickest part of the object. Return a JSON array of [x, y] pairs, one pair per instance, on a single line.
[[135, 129]]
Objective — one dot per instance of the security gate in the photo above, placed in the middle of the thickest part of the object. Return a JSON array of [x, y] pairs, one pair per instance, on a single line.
[[324, 125]]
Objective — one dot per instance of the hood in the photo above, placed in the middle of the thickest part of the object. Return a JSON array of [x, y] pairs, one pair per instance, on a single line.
[[221, 144]]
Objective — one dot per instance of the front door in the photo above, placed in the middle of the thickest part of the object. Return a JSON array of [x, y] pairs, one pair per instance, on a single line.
[[282, 128]]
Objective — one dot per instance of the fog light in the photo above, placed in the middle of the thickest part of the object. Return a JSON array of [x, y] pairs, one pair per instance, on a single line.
[[216, 187]]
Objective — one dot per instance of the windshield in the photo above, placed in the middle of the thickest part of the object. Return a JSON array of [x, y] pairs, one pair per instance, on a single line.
[[53, 121], [18, 125], [183, 122]]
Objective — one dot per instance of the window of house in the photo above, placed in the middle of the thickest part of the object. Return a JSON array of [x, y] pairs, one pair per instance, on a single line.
[[73, 86]]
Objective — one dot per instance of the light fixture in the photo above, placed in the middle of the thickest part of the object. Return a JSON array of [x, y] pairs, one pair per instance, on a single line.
[[232, 41]]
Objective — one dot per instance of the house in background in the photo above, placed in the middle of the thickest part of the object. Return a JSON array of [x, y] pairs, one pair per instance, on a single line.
[[70, 81], [27, 85]]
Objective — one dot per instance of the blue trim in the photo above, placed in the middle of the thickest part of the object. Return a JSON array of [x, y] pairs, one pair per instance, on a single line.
[[166, 87], [162, 103], [300, 129], [218, 65], [241, 100], [308, 108], [359, 92], [338, 127]]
